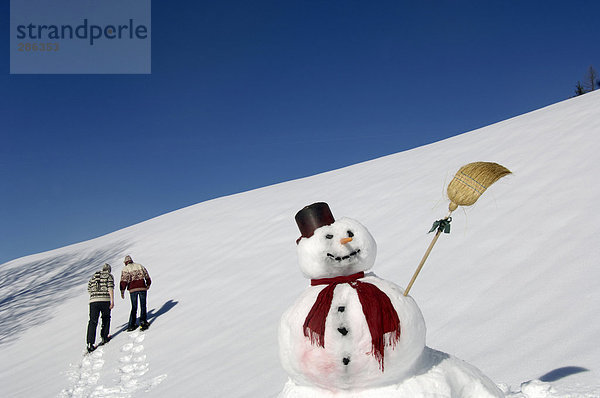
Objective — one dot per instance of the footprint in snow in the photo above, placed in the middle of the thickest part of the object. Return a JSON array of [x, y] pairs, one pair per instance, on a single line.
[[132, 365], [84, 376]]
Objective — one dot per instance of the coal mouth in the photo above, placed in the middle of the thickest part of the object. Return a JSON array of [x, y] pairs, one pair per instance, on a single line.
[[342, 258]]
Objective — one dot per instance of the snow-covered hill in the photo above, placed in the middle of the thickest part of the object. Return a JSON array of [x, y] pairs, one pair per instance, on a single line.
[[512, 290]]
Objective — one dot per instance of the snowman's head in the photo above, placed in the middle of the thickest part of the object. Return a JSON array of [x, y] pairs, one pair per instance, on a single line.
[[338, 248]]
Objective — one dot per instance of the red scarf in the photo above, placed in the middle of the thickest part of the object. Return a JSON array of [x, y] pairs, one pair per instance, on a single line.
[[379, 313]]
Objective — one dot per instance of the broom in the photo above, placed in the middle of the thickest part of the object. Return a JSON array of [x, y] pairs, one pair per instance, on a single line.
[[469, 183]]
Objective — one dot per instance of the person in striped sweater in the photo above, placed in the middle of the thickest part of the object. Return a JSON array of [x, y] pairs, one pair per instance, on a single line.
[[136, 279], [100, 288]]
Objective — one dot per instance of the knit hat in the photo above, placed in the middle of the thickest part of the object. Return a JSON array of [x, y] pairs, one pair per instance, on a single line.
[[106, 267], [128, 260]]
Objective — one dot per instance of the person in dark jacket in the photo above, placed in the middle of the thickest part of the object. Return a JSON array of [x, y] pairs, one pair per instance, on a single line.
[[101, 289], [136, 279]]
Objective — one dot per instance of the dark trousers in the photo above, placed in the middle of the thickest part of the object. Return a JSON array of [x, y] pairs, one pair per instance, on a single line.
[[97, 308], [133, 315]]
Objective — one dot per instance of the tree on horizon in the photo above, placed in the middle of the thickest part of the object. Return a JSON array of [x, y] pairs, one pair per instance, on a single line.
[[591, 79], [590, 83]]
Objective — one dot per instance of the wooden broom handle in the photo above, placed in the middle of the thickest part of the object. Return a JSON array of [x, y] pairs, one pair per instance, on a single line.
[[435, 238], [412, 281]]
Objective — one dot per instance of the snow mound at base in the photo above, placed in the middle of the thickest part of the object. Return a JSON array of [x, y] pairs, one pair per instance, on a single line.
[[440, 376]]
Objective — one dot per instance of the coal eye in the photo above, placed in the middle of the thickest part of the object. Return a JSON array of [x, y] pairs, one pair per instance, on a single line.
[[329, 236], [350, 234]]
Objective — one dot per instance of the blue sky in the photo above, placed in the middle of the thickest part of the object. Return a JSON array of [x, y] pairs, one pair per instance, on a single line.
[[248, 94]]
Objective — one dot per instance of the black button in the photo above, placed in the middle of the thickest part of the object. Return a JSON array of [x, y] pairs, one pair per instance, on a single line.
[[341, 309], [346, 361], [343, 331]]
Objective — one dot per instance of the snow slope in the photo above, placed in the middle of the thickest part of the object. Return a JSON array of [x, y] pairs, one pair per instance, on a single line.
[[512, 290]]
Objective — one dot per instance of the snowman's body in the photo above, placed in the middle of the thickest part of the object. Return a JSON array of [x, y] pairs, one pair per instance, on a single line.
[[437, 375], [344, 364], [346, 361]]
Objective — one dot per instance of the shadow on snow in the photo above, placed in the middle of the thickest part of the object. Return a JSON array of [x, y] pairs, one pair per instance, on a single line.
[[151, 316], [30, 293], [561, 373]]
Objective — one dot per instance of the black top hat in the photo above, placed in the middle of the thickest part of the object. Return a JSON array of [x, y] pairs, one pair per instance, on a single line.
[[313, 217]]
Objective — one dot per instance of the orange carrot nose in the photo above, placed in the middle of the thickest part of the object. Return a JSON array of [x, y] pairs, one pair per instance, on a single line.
[[345, 240]]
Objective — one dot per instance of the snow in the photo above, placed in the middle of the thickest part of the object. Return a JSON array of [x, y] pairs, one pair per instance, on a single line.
[[132, 366], [440, 376], [511, 291], [315, 256], [340, 359], [310, 365]]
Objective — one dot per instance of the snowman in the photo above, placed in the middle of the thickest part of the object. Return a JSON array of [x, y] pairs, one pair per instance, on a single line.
[[353, 334]]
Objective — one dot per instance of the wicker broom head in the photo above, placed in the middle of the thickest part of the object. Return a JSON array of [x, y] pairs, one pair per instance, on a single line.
[[471, 181]]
